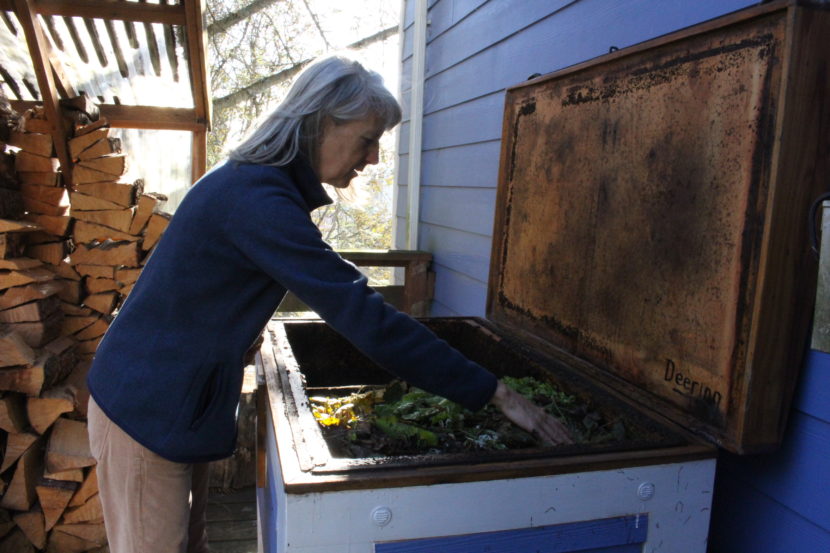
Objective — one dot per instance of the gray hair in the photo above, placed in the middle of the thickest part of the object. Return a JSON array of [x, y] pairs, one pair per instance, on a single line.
[[335, 87]]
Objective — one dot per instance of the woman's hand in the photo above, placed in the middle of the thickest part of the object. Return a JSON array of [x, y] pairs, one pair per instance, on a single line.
[[528, 416]]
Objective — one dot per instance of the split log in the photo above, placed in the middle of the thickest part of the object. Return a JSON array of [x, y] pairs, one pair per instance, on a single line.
[[19, 263], [11, 204], [11, 225], [77, 382], [42, 208], [68, 446], [155, 228], [12, 278], [147, 205], [102, 148], [87, 348], [14, 350], [71, 475], [49, 252], [61, 542], [28, 162], [91, 533], [39, 178], [90, 511], [74, 310], [53, 224], [127, 275], [6, 525], [102, 303], [43, 411], [20, 495], [18, 295], [16, 445], [36, 124], [107, 253], [63, 349], [65, 270], [118, 219], [71, 325], [96, 271], [82, 202], [52, 195], [33, 525], [90, 232], [33, 379], [122, 193], [32, 311], [54, 496], [37, 333], [42, 237], [98, 285], [11, 245], [13, 413], [84, 141], [111, 166], [36, 143], [87, 489], [100, 123], [71, 291], [16, 542], [95, 330]]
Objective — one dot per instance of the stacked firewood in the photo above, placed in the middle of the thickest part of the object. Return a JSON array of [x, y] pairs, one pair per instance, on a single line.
[[70, 253]]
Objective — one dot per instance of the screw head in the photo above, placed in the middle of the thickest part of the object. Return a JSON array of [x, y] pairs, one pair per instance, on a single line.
[[645, 491]]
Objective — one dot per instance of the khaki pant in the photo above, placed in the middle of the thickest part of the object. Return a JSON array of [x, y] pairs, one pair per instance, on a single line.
[[151, 505]]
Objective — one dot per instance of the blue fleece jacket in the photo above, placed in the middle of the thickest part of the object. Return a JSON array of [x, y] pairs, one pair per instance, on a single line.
[[169, 369]]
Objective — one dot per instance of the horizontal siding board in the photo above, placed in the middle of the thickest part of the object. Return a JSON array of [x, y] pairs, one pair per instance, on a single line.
[[796, 475], [479, 120], [745, 520], [574, 35], [446, 13], [460, 293], [811, 396], [460, 251], [438, 309], [470, 165], [467, 209]]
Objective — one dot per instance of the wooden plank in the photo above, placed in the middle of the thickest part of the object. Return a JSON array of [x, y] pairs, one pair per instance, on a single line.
[[196, 40], [145, 13], [153, 118]]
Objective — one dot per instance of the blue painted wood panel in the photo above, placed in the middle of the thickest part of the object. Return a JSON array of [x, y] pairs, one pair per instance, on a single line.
[[467, 209], [468, 165], [459, 293], [460, 251], [613, 535], [479, 120], [814, 384], [745, 520]]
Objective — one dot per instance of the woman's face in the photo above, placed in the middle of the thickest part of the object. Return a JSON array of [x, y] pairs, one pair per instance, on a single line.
[[347, 148]]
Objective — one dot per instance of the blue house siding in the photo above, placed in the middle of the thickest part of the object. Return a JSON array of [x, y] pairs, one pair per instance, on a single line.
[[781, 502], [476, 49], [774, 503]]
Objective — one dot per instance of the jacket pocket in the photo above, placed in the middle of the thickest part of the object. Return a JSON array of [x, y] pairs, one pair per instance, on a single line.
[[208, 398]]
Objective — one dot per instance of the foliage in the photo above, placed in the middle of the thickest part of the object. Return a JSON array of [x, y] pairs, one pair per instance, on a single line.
[[396, 420], [268, 44]]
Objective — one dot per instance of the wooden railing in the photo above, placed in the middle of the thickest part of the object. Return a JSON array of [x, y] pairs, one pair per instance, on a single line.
[[412, 297]]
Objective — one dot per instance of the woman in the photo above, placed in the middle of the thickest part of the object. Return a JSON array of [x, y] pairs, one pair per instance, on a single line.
[[167, 376]]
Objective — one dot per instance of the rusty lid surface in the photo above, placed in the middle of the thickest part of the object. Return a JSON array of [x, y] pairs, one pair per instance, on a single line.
[[633, 220]]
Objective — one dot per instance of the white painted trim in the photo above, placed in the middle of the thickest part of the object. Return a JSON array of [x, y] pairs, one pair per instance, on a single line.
[[416, 119], [397, 275]]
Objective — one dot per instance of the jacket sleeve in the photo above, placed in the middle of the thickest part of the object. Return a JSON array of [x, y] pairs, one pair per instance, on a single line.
[[274, 231]]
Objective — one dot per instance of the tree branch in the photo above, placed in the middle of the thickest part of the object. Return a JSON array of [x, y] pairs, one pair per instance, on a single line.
[[265, 83], [233, 18]]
